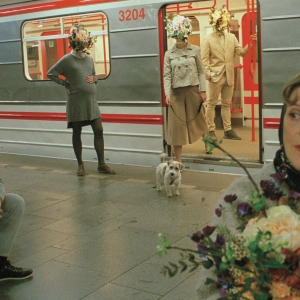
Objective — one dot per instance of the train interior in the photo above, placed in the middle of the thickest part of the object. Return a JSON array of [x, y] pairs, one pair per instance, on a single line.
[[245, 109]]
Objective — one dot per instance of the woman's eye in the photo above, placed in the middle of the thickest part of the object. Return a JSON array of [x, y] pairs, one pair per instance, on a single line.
[[294, 115]]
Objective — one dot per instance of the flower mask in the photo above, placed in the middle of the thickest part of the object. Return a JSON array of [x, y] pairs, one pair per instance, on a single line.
[[220, 19], [178, 27], [80, 38]]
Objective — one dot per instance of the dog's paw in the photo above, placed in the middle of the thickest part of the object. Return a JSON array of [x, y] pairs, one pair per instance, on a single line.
[[169, 195], [176, 194]]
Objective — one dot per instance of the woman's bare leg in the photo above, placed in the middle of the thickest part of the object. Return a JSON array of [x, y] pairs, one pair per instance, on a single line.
[[178, 151]]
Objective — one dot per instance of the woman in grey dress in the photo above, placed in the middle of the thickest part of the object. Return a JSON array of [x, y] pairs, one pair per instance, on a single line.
[[80, 80]]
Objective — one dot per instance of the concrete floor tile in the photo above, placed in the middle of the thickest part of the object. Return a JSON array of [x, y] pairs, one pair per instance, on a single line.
[[115, 291], [185, 290], [34, 242], [32, 222], [55, 280], [71, 225], [40, 257], [96, 237], [147, 277]]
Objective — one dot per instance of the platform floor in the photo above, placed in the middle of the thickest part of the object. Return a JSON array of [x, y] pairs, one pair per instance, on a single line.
[[95, 237]]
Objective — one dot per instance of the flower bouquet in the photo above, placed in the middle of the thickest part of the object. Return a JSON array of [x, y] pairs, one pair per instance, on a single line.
[[260, 258], [177, 26], [81, 38], [220, 18]]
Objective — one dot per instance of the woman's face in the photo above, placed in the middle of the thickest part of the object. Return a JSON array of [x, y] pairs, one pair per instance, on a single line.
[[180, 43], [291, 131]]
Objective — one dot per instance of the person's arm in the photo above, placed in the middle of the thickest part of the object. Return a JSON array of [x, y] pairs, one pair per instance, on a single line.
[[243, 51], [2, 195], [54, 72], [205, 55], [92, 78], [94, 74], [202, 85], [167, 77]]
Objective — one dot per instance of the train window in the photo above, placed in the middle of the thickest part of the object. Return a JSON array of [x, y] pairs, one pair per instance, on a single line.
[[45, 42]]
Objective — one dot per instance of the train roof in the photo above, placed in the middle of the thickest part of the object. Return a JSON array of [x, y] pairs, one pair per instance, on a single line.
[[42, 5]]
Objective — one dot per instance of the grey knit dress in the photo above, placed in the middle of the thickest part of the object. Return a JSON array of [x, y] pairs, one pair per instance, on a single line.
[[81, 102]]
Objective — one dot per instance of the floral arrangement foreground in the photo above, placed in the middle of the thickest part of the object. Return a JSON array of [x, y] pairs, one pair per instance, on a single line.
[[260, 259]]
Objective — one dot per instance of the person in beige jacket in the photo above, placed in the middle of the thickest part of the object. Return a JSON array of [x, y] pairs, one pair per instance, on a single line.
[[217, 51], [184, 86]]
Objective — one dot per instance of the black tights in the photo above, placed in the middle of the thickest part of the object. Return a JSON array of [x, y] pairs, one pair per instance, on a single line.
[[98, 140]]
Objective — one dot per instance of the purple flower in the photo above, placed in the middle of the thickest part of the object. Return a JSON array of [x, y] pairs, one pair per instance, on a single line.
[[230, 198], [278, 176], [244, 208], [293, 194], [197, 237], [201, 249], [218, 211], [217, 261], [270, 189], [208, 230], [220, 241], [222, 292]]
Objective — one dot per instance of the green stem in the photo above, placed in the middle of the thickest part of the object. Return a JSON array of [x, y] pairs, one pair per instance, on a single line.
[[182, 249], [215, 143]]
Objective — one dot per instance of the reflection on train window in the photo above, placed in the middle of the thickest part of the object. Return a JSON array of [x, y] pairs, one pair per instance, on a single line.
[[45, 42]]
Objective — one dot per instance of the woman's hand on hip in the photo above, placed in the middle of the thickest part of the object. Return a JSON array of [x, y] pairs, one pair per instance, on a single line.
[[203, 96], [168, 100], [89, 79]]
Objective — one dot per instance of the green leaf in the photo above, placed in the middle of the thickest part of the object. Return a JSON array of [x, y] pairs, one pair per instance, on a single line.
[[191, 257], [194, 268], [274, 264], [207, 264], [223, 266], [184, 266], [210, 281]]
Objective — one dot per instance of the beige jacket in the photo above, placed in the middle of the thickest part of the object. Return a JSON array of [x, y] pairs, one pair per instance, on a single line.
[[182, 67], [217, 59]]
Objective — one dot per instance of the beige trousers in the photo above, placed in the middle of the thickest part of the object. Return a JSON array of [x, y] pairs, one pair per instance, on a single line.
[[185, 124], [215, 88]]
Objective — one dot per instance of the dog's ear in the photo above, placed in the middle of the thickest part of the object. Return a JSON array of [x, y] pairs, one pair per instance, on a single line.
[[181, 166], [164, 170]]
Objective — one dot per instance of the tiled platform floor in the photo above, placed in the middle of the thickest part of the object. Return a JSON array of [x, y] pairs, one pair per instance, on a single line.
[[95, 237]]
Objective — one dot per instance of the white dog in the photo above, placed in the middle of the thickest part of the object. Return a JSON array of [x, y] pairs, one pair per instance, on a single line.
[[170, 173]]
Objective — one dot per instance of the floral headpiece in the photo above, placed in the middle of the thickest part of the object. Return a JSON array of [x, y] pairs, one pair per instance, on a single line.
[[80, 38], [178, 27], [220, 19]]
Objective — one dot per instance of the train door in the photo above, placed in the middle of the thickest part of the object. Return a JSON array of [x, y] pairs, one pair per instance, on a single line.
[[245, 112]]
